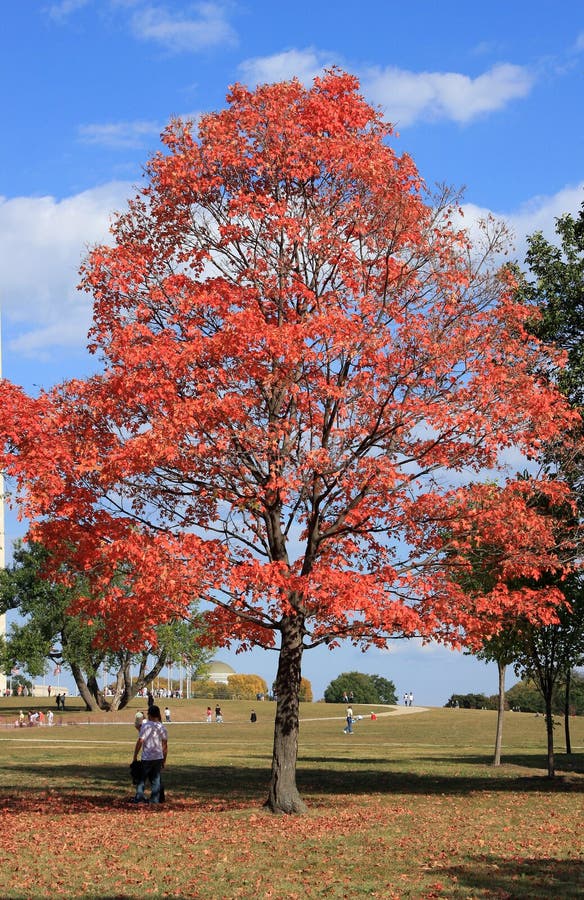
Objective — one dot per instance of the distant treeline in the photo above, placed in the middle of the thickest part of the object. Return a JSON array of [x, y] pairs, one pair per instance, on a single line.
[[525, 697]]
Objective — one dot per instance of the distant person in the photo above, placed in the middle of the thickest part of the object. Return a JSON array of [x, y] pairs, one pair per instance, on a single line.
[[63, 701], [49, 690], [50, 717], [209, 715], [348, 729], [345, 698], [218, 715], [351, 696], [253, 718], [58, 701], [152, 744], [150, 697], [166, 714], [410, 699]]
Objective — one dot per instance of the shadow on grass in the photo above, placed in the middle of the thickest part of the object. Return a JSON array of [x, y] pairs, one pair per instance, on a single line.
[[520, 877], [213, 787], [572, 763]]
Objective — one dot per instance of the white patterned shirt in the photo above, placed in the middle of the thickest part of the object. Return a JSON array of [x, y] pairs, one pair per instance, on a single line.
[[152, 735]]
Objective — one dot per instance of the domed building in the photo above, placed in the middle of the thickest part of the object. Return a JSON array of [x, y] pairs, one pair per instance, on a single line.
[[219, 672]]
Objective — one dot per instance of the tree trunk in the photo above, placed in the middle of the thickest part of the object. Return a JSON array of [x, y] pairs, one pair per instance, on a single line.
[[549, 725], [97, 693], [567, 711], [120, 691], [500, 712], [90, 701], [283, 795]]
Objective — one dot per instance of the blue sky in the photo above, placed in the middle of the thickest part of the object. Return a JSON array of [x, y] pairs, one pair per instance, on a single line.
[[486, 97]]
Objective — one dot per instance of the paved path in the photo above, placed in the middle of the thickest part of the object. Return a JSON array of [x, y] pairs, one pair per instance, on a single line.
[[38, 732], [392, 711]]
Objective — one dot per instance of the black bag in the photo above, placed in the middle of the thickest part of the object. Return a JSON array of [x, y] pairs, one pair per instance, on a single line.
[[136, 771]]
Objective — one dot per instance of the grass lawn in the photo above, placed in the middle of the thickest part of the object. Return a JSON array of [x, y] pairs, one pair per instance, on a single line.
[[408, 806]]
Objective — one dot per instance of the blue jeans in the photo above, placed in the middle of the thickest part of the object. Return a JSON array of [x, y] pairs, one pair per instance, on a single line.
[[151, 769]]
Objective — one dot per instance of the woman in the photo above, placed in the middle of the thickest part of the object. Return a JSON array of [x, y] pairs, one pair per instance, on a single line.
[[153, 744]]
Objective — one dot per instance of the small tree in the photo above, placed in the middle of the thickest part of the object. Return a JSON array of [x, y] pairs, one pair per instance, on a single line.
[[246, 687], [546, 654], [305, 695], [501, 649], [482, 571]]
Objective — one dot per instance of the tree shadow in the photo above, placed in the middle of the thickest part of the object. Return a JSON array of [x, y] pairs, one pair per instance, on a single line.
[[520, 877], [99, 787], [366, 781], [565, 763]]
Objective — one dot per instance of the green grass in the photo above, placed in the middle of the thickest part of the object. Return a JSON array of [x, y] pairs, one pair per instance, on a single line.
[[408, 806]]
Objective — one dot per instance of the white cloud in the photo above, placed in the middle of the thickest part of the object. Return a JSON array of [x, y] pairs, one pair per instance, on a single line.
[[124, 135], [181, 33], [42, 244], [119, 134], [43, 241], [537, 214], [408, 97], [540, 213], [301, 64], [63, 9], [580, 41], [405, 96]]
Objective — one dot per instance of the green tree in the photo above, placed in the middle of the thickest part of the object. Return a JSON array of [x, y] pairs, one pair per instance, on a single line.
[[576, 694], [555, 284], [21, 681], [470, 701], [385, 689], [363, 688], [525, 696], [546, 655]]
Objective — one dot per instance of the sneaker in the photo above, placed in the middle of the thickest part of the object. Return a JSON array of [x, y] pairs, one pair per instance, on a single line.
[[138, 800]]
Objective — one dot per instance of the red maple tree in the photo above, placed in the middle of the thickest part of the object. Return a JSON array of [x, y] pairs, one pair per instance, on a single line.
[[299, 350]]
